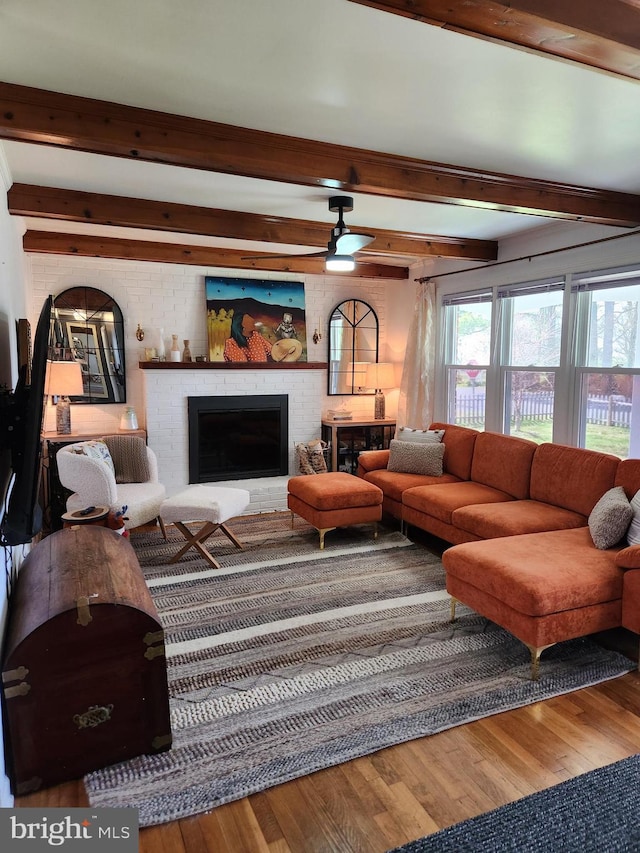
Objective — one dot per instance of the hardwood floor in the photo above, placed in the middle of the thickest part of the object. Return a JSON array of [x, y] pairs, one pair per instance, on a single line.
[[373, 804]]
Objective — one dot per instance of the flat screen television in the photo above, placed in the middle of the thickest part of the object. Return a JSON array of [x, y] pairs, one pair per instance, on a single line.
[[21, 416]]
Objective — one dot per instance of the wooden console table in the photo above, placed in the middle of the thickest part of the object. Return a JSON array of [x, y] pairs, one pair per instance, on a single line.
[[348, 438]]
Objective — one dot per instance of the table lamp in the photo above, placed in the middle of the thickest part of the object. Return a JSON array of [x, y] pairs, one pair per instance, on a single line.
[[359, 376], [63, 380], [380, 375]]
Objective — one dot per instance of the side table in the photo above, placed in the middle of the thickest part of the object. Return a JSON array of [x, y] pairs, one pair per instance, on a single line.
[[348, 439], [98, 516]]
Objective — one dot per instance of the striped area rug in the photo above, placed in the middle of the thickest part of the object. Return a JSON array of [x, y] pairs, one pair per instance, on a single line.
[[289, 659]]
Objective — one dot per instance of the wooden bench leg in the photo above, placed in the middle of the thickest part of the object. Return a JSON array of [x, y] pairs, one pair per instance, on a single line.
[[195, 540], [230, 535], [163, 529]]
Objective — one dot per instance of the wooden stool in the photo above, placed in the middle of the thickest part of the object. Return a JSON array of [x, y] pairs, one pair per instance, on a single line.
[[334, 499], [212, 505]]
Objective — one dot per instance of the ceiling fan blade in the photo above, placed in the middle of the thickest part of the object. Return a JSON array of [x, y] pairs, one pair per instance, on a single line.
[[352, 242], [274, 257]]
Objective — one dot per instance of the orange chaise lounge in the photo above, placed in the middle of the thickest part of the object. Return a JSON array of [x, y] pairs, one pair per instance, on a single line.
[[524, 555]]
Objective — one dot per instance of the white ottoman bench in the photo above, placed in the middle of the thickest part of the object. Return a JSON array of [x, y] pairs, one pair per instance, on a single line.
[[213, 505]]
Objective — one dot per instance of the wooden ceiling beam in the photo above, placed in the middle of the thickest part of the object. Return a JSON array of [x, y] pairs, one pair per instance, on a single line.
[[55, 243], [67, 121], [95, 208], [602, 35]]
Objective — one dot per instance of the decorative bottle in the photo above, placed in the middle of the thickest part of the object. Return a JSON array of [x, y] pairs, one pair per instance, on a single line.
[[175, 349], [186, 353]]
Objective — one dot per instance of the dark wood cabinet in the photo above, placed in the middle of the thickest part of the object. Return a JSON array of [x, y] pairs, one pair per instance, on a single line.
[[347, 439]]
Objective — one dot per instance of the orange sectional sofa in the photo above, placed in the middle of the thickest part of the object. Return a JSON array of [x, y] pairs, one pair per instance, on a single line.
[[518, 516]]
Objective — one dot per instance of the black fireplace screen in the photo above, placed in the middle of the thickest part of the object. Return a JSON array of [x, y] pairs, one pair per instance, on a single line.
[[235, 438]]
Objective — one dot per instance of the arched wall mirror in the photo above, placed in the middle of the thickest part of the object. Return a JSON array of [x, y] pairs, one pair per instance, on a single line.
[[88, 327], [353, 343]]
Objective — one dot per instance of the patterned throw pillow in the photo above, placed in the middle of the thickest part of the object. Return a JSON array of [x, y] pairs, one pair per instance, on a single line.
[[311, 457], [408, 457], [95, 450], [610, 518], [419, 436]]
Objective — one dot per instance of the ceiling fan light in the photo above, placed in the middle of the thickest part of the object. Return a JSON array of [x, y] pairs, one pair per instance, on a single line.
[[340, 263]]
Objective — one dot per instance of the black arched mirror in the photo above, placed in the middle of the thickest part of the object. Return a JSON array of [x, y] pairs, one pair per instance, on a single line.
[[88, 327], [353, 344]]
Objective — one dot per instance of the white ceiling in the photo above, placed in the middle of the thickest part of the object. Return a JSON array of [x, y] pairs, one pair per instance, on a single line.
[[327, 70]]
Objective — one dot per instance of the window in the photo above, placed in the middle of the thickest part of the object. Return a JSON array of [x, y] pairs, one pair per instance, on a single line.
[[468, 321], [553, 359], [608, 360], [531, 336]]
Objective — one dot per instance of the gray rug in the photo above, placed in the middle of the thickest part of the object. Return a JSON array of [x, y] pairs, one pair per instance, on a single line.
[[290, 659], [593, 813]]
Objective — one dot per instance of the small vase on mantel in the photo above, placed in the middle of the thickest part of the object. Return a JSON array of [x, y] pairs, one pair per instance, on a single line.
[[186, 353], [175, 349]]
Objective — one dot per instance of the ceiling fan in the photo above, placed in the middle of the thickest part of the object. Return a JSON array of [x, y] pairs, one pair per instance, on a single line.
[[342, 245]]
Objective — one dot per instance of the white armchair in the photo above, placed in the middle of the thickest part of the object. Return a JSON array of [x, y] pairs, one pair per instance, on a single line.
[[93, 483]]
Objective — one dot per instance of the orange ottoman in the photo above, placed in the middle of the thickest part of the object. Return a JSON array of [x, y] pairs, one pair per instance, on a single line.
[[334, 499]]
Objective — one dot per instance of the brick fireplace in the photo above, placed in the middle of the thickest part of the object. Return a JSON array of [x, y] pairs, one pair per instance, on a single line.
[[168, 390]]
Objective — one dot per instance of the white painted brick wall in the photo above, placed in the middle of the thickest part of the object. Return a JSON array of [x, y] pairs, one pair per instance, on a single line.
[[167, 392], [171, 297]]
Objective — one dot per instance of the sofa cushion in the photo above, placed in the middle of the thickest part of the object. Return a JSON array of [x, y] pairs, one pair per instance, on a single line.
[[503, 462], [419, 436], [609, 519], [414, 458], [372, 460], [394, 484], [571, 477], [441, 501], [633, 533], [629, 557], [459, 443], [628, 476], [489, 521], [539, 573]]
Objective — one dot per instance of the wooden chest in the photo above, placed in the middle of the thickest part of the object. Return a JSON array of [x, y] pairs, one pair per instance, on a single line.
[[84, 670]]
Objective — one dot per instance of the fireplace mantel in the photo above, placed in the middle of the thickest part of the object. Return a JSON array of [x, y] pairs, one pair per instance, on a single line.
[[228, 365]]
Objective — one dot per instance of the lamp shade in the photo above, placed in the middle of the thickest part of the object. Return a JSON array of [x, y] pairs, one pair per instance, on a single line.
[[358, 370], [63, 379], [381, 375], [340, 263]]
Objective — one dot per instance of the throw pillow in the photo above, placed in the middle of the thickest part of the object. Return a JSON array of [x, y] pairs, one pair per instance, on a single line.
[[409, 457], [130, 460], [420, 436], [633, 533], [311, 458], [95, 450], [609, 519]]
